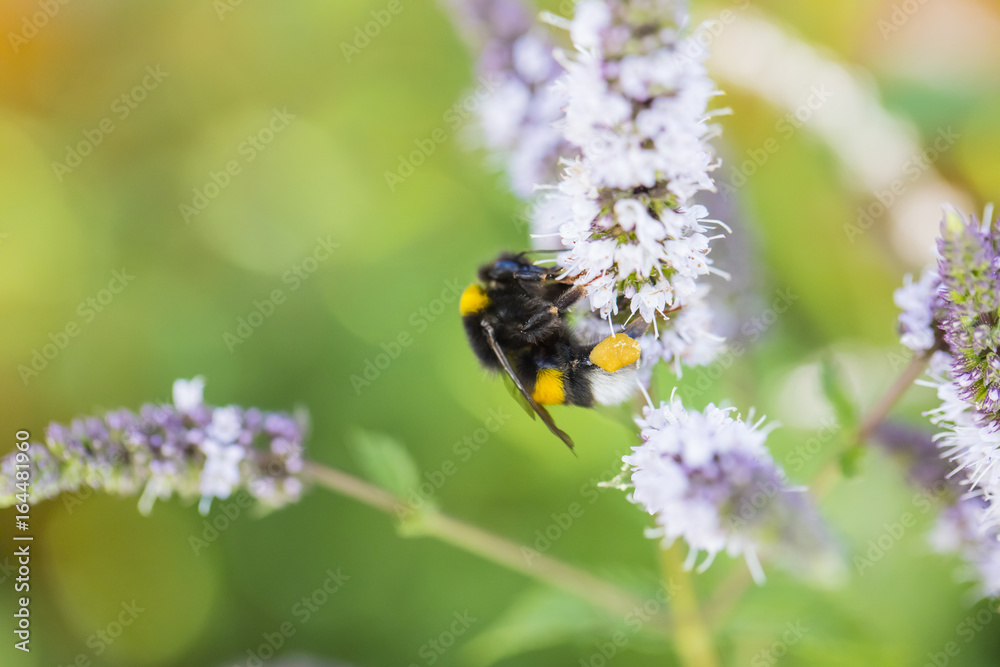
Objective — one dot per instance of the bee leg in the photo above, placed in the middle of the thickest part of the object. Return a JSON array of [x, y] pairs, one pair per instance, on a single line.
[[569, 297], [548, 319], [541, 323], [532, 274], [636, 328]]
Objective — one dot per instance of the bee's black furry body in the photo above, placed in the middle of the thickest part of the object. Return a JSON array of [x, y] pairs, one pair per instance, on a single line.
[[516, 321], [520, 293]]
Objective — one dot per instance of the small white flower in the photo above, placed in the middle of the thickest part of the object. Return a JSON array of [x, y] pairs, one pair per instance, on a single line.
[[533, 59], [226, 425], [188, 393], [638, 260], [918, 302], [221, 473], [690, 339], [159, 487], [651, 298], [504, 113], [590, 18], [630, 213], [603, 296], [688, 255]]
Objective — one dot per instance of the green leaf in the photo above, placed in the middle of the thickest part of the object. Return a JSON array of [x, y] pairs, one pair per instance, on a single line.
[[540, 618], [385, 461], [837, 394], [850, 460]]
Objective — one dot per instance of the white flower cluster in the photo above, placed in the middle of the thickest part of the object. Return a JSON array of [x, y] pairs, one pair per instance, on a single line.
[[708, 478], [916, 301], [517, 118], [637, 101], [973, 448], [688, 341], [971, 527], [637, 111]]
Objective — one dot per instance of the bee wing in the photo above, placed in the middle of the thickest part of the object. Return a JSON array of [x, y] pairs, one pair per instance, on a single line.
[[539, 410], [516, 394]]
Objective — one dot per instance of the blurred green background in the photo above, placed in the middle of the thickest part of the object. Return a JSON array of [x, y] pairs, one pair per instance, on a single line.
[[225, 69]]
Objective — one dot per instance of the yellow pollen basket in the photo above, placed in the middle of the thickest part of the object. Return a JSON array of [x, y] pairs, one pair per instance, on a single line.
[[473, 300], [615, 352], [549, 387]]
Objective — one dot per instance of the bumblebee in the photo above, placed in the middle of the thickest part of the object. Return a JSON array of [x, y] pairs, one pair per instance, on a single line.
[[516, 321]]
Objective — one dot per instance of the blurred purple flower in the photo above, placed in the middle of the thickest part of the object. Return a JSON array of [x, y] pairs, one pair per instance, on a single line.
[[921, 309], [516, 120], [959, 530], [190, 449], [920, 456]]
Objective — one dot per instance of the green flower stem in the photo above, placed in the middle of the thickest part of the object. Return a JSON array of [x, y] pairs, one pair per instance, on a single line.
[[693, 640], [914, 370], [832, 472], [503, 552]]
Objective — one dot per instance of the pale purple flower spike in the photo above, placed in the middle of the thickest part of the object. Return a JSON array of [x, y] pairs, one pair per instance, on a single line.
[[951, 312], [517, 119], [637, 113], [189, 448], [708, 478]]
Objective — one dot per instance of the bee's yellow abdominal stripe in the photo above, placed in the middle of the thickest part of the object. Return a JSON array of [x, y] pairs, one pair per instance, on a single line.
[[549, 387]]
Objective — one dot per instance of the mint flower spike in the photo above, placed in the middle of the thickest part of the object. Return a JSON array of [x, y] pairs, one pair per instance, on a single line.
[[637, 118], [190, 449], [516, 63], [969, 267], [708, 478], [953, 313]]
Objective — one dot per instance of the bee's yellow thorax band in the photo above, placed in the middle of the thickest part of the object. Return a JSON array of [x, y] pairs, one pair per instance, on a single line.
[[473, 300], [615, 352], [549, 387]]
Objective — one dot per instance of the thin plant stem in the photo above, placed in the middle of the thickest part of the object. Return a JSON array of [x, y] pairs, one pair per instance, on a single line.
[[731, 590], [727, 594], [351, 486], [831, 473], [692, 638], [889, 399], [475, 540]]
